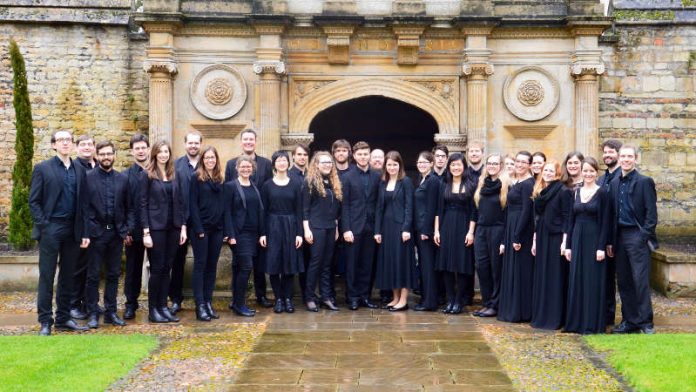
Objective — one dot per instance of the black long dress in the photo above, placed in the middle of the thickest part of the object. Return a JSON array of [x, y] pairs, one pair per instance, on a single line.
[[550, 268], [396, 259], [586, 284], [455, 211], [282, 223], [518, 266]]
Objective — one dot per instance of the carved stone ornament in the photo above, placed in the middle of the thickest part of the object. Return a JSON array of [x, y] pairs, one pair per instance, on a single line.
[[218, 92], [453, 142], [161, 67], [289, 140], [269, 66], [531, 93]]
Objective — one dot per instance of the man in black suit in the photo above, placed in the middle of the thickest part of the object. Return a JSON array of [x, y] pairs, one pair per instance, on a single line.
[[360, 188], [106, 221], [635, 210], [474, 158], [185, 167], [57, 204], [135, 250], [262, 174], [610, 156], [78, 304]]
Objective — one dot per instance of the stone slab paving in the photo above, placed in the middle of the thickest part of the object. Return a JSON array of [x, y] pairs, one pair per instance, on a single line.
[[371, 350]]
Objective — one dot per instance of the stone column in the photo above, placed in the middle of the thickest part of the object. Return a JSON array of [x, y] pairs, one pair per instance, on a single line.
[[476, 69], [161, 100]]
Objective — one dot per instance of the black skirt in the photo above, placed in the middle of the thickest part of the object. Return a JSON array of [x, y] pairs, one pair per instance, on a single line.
[[517, 277], [247, 243], [454, 256], [396, 259], [281, 255], [550, 281]]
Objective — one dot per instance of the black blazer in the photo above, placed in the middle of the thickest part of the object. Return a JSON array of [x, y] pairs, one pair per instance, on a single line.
[[46, 188], [403, 201], [134, 174], [321, 212], [183, 172], [94, 218], [154, 210], [644, 200], [236, 208], [556, 214], [263, 171], [358, 207], [425, 205], [206, 206]]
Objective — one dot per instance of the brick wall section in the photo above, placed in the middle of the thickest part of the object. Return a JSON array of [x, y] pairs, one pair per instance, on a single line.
[[647, 98], [84, 78]]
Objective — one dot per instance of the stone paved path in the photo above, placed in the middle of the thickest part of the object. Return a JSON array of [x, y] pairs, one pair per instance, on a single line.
[[371, 350]]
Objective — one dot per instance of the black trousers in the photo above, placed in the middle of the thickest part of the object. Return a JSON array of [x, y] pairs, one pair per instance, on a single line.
[[633, 275], [306, 256], [359, 260], [259, 274], [176, 286], [489, 263], [611, 290], [470, 284], [104, 250], [135, 254], [456, 286], [57, 245], [319, 269], [161, 256], [241, 270], [282, 285], [78, 298], [426, 261], [206, 252]]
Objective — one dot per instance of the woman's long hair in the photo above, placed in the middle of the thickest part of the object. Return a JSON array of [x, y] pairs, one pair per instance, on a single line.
[[565, 177], [152, 169], [314, 177], [540, 184], [202, 173], [396, 157], [503, 181]]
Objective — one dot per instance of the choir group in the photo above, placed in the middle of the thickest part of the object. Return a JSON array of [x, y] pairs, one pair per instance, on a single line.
[[547, 239]]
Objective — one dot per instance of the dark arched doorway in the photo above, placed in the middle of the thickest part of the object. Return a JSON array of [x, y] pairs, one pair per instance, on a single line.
[[382, 122]]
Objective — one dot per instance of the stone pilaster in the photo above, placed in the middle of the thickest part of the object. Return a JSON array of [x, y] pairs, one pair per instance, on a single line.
[[476, 69]]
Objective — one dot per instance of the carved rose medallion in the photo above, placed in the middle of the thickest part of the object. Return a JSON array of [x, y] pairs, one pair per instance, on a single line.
[[531, 93], [218, 92]]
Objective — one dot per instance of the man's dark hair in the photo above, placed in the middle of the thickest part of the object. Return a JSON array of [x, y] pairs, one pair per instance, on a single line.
[[104, 144], [137, 138], [613, 144], [441, 147]]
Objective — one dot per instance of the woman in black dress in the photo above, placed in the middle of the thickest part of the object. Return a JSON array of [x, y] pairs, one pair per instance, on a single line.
[[424, 207], [163, 217], [587, 240], [552, 202], [394, 215], [243, 217], [515, 303], [455, 223], [490, 199], [281, 231], [571, 169], [206, 212], [321, 205]]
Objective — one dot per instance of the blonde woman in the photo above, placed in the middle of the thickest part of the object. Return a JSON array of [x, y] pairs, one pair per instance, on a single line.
[[321, 205]]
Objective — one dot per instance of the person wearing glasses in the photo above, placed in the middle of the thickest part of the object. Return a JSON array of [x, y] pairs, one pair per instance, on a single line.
[[56, 203], [321, 206], [518, 262], [440, 153]]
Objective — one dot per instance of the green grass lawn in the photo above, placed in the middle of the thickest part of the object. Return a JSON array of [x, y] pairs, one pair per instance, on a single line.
[[69, 362], [656, 363]]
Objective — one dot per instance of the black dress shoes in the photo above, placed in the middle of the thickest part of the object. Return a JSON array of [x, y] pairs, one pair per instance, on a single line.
[[353, 305], [264, 302], [243, 311], [175, 308], [423, 308], [211, 312], [202, 312], [478, 312], [78, 314], [311, 306], [45, 329], [328, 304], [448, 308], [456, 309], [289, 307], [399, 309], [156, 317], [648, 330], [279, 306], [624, 327], [129, 313], [164, 311], [93, 321], [71, 325], [488, 312], [365, 303], [113, 319]]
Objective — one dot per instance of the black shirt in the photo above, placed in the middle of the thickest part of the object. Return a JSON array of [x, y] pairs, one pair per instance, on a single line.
[[169, 189], [207, 205], [490, 213], [88, 164], [627, 217], [107, 191], [605, 180], [251, 221], [65, 206]]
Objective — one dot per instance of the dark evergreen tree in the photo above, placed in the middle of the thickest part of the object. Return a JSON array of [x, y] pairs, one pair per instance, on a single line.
[[20, 218]]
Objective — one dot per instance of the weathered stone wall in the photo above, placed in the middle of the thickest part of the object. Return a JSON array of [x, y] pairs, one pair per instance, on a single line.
[[647, 98], [82, 77]]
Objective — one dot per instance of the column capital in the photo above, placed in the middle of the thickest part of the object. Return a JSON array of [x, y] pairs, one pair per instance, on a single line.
[[453, 142], [583, 69], [288, 141], [477, 69], [168, 67], [269, 66]]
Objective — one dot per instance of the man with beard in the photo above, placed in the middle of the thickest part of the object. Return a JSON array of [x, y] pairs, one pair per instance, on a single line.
[[185, 167], [300, 156], [610, 156], [440, 153], [106, 222], [340, 149], [262, 174], [57, 204], [377, 159], [135, 250]]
